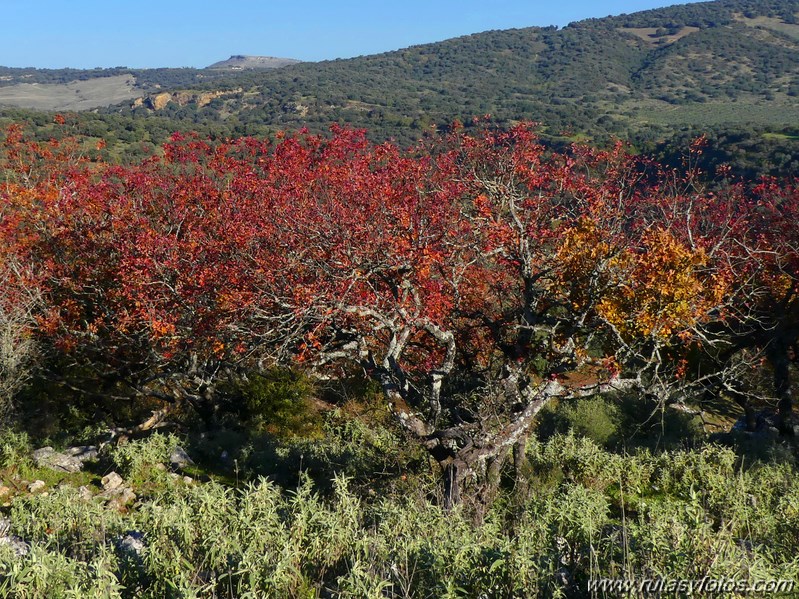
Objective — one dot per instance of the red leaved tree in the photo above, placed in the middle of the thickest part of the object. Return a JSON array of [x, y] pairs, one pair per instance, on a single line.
[[476, 277], [479, 279]]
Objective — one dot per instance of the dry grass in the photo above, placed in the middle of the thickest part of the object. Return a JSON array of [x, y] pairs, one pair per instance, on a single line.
[[76, 95], [651, 37], [772, 23]]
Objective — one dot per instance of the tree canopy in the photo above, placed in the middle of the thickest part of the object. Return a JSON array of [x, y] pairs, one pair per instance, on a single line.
[[475, 278]]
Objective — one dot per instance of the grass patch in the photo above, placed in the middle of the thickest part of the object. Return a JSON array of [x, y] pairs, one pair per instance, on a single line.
[[780, 136], [712, 114], [679, 514]]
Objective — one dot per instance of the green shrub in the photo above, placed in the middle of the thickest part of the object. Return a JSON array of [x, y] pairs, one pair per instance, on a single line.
[[622, 420], [15, 449], [578, 459], [277, 401], [62, 518], [596, 418], [372, 456], [57, 576], [145, 461]]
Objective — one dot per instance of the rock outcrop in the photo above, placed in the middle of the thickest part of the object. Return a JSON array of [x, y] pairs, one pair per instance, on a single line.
[[240, 62], [114, 489], [47, 457], [18, 546], [161, 100], [179, 458], [158, 101], [70, 460]]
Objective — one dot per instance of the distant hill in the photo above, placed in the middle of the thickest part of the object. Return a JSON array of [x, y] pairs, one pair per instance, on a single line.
[[239, 62], [87, 89], [711, 63]]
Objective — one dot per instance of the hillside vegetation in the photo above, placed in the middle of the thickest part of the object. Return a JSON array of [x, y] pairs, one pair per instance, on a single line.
[[728, 68], [593, 514], [596, 76]]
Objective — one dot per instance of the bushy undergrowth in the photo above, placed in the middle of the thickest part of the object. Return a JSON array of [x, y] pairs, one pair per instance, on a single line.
[[371, 451], [144, 463], [589, 513], [277, 401], [621, 421], [15, 448]]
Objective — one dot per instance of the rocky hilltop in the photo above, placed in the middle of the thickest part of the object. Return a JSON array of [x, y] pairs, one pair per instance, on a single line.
[[239, 62]]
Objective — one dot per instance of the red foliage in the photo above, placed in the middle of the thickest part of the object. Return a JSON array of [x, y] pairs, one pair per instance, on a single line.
[[479, 254]]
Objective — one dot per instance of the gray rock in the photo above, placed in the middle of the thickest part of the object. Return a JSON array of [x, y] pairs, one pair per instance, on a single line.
[[111, 481], [115, 491], [121, 497], [179, 458], [36, 486], [85, 493], [132, 543], [18, 546], [82, 453], [47, 457]]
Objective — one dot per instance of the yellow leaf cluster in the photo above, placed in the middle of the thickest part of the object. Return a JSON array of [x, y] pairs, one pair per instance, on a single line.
[[660, 289], [581, 252]]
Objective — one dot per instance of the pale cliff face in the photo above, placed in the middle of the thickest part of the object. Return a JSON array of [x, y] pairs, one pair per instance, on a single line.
[[182, 98]]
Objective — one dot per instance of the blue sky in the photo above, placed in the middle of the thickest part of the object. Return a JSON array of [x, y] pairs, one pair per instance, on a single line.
[[179, 33]]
